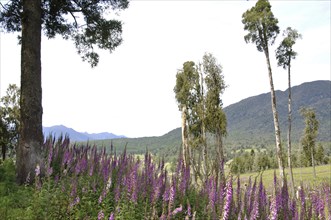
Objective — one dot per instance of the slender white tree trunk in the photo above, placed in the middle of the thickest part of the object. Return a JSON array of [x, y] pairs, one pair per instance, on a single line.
[[185, 137], [289, 151], [276, 122]]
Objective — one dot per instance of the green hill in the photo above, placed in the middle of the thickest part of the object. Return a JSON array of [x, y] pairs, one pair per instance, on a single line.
[[250, 121]]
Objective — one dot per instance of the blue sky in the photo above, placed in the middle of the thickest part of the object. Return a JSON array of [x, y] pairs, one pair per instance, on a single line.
[[130, 92]]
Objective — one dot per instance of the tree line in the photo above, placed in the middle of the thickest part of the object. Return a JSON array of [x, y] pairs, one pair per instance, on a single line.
[[257, 160]]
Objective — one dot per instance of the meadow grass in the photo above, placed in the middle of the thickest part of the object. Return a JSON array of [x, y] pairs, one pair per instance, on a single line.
[[302, 176]]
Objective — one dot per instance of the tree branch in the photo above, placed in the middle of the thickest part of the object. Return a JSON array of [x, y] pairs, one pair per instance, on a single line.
[[71, 12]]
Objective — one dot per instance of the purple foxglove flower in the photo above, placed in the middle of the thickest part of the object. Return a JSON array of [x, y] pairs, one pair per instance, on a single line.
[[327, 193], [49, 171], [303, 202], [293, 209], [50, 155], [111, 217], [156, 189], [228, 199], [252, 197], [101, 215], [100, 199], [238, 192], [91, 169], [74, 189], [310, 213], [133, 180], [172, 194], [179, 209], [247, 194], [284, 201], [212, 194], [56, 179], [273, 209], [188, 209], [318, 205], [255, 212], [117, 193], [77, 200]]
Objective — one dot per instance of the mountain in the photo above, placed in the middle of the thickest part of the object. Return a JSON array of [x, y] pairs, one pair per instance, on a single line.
[[250, 121], [57, 130]]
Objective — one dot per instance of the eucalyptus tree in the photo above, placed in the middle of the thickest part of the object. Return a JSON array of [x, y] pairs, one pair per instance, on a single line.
[[215, 117], [308, 140], [185, 91], [284, 55], [85, 22], [10, 119], [262, 27]]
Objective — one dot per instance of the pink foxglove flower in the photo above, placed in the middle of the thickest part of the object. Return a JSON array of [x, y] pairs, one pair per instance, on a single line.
[[179, 209], [228, 199], [111, 217], [101, 215]]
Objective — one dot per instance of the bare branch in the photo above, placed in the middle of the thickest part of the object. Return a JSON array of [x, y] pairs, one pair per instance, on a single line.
[[71, 12]]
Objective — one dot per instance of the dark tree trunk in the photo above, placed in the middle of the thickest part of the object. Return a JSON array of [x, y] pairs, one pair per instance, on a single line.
[[3, 150], [31, 137]]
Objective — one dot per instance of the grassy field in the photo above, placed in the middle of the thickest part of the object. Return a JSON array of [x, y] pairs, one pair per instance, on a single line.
[[301, 175]]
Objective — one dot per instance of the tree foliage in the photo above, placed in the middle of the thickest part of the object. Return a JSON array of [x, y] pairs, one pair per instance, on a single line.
[[261, 25], [87, 23], [308, 140], [285, 52], [215, 85], [10, 119], [198, 89]]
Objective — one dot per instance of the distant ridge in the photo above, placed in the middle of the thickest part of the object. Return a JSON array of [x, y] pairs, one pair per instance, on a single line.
[[250, 121], [57, 130]]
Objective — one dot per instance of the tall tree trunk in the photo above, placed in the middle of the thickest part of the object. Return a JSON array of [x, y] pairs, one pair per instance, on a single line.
[[185, 137], [3, 150], [203, 131], [194, 167], [276, 122], [219, 158], [204, 153], [31, 137], [289, 151]]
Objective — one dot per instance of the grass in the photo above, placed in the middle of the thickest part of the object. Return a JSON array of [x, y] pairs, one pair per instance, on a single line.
[[302, 175]]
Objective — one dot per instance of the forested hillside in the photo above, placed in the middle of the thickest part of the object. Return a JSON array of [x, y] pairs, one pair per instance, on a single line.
[[250, 121]]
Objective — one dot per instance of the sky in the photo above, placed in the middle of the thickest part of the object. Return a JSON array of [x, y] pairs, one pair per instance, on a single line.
[[131, 93]]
